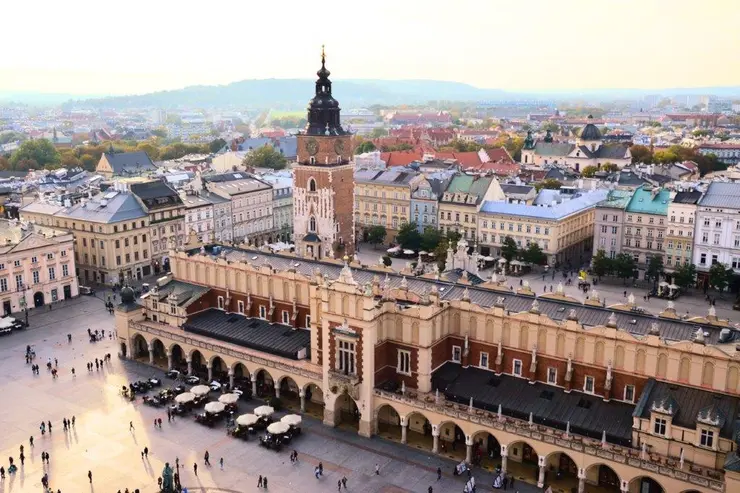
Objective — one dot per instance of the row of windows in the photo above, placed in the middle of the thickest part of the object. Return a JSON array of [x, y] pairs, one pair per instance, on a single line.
[[34, 259], [124, 226], [35, 276], [382, 208], [144, 254], [383, 194], [519, 227], [126, 242], [285, 315], [651, 219]]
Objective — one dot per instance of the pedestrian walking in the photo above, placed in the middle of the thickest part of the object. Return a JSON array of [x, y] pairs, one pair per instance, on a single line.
[[430, 490], [221, 463], [23, 458], [195, 468], [344, 482], [439, 473], [56, 363], [69, 337], [159, 420], [259, 482], [339, 485], [89, 476], [146, 452], [377, 469], [31, 440], [206, 458], [2, 472], [155, 422], [264, 482], [47, 457], [73, 420], [130, 426], [316, 472], [21, 448], [49, 426], [321, 468]]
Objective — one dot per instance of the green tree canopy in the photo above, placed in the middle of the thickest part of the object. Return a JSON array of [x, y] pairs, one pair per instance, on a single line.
[[685, 275], [720, 276], [601, 264], [589, 171], [409, 237], [625, 266], [430, 239], [41, 152], [641, 154], [550, 183], [376, 235], [160, 132], [609, 167], [509, 249], [216, 145], [534, 254], [365, 146], [655, 268], [378, 132], [265, 157]]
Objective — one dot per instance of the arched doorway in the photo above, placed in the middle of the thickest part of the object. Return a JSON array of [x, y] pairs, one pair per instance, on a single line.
[[289, 394], [419, 432], [645, 484], [388, 423], [265, 384], [219, 370], [241, 377], [523, 461], [603, 477], [140, 349], [38, 299], [452, 441], [160, 356], [486, 451], [314, 399], [561, 471], [178, 358], [346, 413], [197, 365]]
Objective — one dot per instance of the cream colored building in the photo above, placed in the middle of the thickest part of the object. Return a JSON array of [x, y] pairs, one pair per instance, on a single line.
[[111, 234], [383, 198], [461, 200], [553, 391], [37, 266], [679, 235], [561, 224]]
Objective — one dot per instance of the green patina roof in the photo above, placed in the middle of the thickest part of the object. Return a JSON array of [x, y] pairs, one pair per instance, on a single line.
[[474, 185], [643, 202], [617, 199]]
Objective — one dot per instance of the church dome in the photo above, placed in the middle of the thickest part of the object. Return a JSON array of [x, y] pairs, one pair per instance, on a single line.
[[590, 132], [127, 295]]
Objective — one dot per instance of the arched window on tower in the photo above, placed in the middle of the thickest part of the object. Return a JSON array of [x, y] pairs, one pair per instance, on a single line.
[[311, 181], [312, 224], [312, 160]]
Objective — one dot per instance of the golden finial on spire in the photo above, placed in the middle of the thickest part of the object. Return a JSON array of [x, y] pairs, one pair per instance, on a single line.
[[323, 53]]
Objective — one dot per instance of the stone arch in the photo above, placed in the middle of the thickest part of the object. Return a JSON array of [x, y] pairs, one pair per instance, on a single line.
[[219, 370], [525, 456], [559, 464], [359, 308], [159, 352], [139, 347], [398, 328], [486, 449], [662, 366], [473, 328], [241, 373], [265, 383], [733, 375], [506, 334], [684, 369], [345, 306], [415, 333], [346, 412], [289, 390], [604, 476], [524, 337], [314, 399], [707, 374], [452, 439], [542, 341], [388, 422], [455, 323], [198, 363], [489, 330], [645, 484]]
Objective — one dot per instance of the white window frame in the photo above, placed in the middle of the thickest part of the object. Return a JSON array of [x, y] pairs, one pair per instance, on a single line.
[[706, 438], [286, 317], [403, 363], [263, 312], [483, 355], [517, 367], [586, 381], [626, 388], [344, 345], [552, 371], [308, 321], [457, 354], [660, 423], [240, 306], [220, 302]]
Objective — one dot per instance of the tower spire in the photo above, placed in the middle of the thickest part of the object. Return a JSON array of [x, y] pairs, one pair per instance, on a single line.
[[323, 55]]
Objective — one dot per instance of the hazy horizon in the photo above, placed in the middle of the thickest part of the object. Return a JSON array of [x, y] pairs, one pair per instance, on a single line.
[[524, 47]]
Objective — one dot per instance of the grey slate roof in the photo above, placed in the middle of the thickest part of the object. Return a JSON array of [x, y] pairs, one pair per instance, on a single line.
[[516, 189], [722, 195], [691, 197], [121, 206], [688, 403], [553, 148], [589, 316], [588, 415], [185, 292], [612, 151], [253, 333], [129, 162]]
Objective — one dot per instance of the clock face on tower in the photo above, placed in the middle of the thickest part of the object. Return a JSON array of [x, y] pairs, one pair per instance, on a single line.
[[339, 146], [312, 146]]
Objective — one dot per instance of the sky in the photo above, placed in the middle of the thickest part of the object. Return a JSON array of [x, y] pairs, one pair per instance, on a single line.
[[87, 47]]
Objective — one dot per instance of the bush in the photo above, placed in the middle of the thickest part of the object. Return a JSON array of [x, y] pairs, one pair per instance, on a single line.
[[387, 261], [276, 403]]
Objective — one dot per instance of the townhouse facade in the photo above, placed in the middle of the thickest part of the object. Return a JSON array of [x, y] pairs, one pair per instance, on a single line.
[[436, 364], [425, 200], [199, 217], [680, 229], [645, 225], [609, 222], [282, 205], [384, 198], [717, 233], [461, 201]]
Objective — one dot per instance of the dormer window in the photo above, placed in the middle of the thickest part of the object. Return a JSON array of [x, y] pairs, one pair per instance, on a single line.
[[660, 426], [706, 438]]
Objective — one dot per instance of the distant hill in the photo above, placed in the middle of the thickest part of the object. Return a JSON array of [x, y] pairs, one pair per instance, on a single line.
[[295, 93]]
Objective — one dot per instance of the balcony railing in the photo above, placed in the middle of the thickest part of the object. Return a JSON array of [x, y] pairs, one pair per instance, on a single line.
[[657, 464]]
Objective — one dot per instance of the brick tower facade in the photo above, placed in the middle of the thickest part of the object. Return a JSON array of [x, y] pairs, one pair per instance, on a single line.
[[324, 185]]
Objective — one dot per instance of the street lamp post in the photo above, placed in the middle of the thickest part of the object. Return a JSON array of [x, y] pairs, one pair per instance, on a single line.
[[24, 305]]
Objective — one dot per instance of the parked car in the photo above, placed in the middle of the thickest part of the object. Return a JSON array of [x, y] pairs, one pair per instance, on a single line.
[[86, 290]]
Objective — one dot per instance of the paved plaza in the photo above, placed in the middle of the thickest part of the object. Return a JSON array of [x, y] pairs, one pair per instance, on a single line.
[[102, 443]]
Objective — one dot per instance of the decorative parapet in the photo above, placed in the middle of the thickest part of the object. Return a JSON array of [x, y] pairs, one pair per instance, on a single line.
[[339, 383], [256, 357], [550, 435]]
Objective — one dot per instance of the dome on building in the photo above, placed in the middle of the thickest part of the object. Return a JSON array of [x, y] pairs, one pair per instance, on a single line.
[[590, 132], [127, 295]]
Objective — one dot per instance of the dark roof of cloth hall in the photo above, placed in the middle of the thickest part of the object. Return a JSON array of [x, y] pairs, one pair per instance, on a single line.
[[588, 414], [253, 333], [635, 322]]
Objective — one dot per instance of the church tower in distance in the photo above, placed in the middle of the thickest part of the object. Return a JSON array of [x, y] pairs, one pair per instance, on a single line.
[[323, 178]]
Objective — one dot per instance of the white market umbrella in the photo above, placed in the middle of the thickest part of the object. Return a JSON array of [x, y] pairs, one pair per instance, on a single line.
[[393, 250], [228, 399], [247, 420], [215, 407], [673, 286], [278, 428], [291, 420], [264, 411], [200, 390], [408, 252], [184, 398], [423, 253]]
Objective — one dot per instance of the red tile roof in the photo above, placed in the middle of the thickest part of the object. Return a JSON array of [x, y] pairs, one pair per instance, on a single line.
[[401, 158]]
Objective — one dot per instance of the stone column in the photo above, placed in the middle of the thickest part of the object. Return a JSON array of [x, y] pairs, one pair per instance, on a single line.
[[231, 378], [469, 449], [254, 384], [151, 353], [625, 487], [210, 372], [302, 395], [277, 391], [541, 477], [169, 360], [581, 480], [435, 436], [190, 366], [504, 458], [404, 427]]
